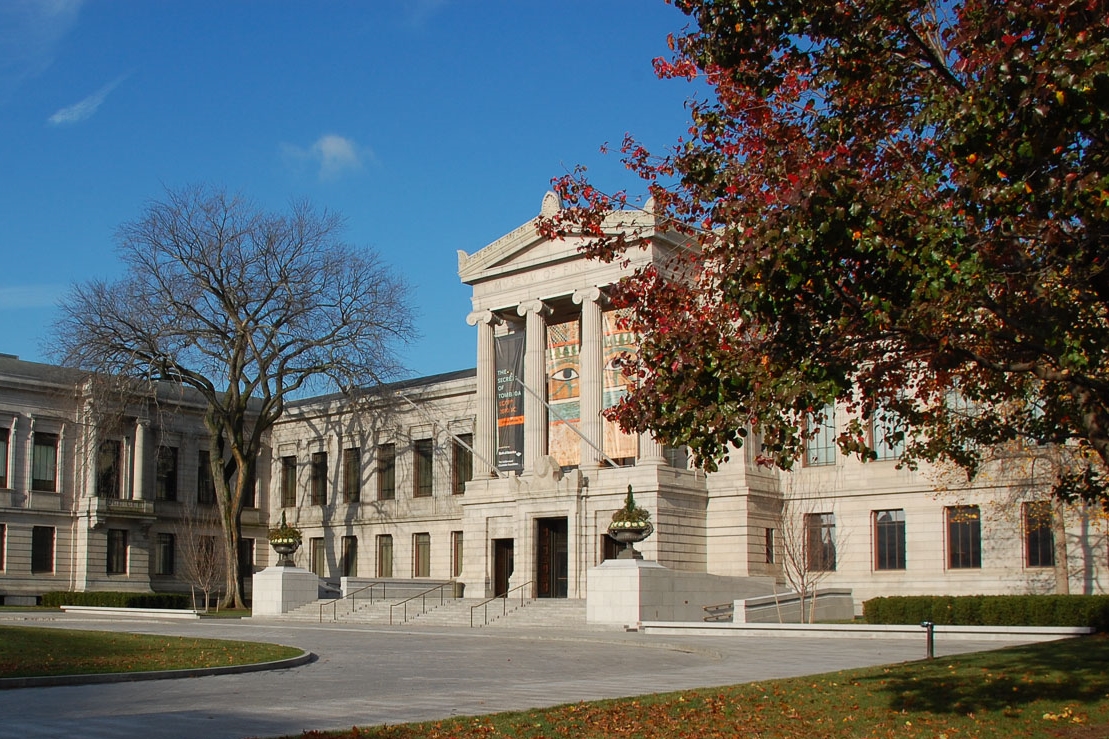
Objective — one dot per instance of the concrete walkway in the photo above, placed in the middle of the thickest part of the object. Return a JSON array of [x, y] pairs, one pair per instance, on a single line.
[[368, 676]]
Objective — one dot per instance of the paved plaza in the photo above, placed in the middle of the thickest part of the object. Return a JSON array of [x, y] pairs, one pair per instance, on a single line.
[[365, 676]]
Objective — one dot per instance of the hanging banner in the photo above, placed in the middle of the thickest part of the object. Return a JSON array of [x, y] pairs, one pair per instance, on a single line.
[[618, 341], [564, 392], [510, 401]]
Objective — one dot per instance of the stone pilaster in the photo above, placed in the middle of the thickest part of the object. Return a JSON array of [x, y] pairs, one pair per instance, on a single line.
[[139, 461], [485, 424], [591, 377], [535, 380]]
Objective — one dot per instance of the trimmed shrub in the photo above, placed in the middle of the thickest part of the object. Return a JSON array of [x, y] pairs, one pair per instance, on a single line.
[[991, 610], [114, 599]]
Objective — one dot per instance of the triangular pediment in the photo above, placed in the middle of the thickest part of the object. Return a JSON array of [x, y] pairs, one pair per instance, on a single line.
[[519, 250]]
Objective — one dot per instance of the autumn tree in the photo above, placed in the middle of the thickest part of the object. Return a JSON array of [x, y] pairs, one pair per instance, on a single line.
[[898, 206], [246, 307]]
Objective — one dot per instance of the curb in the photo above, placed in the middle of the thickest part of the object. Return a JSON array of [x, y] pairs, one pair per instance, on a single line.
[[42, 681]]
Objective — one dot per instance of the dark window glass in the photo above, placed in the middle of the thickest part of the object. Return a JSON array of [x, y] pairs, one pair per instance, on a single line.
[[1039, 537], [386, 472], [424, 450], [117, 551], [165, 482], [964, 537], [319, 478], [462, 463], [889, 540], [820, 542]]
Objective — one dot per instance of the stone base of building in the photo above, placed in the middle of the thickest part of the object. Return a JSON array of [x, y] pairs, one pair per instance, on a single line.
[[278, 590], [627, 592]]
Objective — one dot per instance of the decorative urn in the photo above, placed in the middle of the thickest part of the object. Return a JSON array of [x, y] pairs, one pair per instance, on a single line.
[[285, 540], [630, 525]]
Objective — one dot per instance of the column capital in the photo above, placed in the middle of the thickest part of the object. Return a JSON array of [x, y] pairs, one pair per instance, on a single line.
[[487, 317], [537, 307], [590, 294]]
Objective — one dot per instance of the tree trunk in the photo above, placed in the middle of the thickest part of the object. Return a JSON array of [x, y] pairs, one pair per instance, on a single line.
[[1059, 532]]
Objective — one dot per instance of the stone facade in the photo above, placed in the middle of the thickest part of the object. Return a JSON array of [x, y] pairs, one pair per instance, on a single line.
[[506, 477]]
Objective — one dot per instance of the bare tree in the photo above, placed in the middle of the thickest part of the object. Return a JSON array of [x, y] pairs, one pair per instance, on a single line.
[[247, 308], [807, 545], [200, 550]]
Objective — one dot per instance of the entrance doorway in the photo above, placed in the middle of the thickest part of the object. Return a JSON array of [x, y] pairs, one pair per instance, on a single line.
[[502, 565], [552, 566]]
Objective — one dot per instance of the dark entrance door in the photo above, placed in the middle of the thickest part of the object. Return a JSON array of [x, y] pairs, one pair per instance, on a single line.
[[551, 558], [502, 565]]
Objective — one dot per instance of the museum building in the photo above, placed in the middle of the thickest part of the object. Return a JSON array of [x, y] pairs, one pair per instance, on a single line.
[[504, 477]]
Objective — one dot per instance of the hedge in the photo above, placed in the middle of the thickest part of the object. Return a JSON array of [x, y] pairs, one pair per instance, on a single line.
[[991, 610], [116, 599]]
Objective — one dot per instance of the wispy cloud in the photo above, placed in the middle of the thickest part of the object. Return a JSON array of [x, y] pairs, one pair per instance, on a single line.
[[331, 155], [30, 31], [30, 296], [86, 108]]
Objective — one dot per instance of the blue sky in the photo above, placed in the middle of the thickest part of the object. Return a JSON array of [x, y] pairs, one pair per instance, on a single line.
[[432, 125]]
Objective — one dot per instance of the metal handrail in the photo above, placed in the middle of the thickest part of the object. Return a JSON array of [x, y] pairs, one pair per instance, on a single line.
[[504, 607], [335, 603], [423, 600]]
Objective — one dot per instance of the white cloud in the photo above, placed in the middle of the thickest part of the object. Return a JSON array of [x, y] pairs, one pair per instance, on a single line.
[[331, 155], [30, 296], [86, 108], [30, 31]]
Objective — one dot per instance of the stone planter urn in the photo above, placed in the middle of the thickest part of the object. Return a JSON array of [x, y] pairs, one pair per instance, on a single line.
[[285, 540], [630, 525]]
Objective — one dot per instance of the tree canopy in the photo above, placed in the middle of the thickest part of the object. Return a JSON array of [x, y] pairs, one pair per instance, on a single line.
[[900, 206], [247, 308]]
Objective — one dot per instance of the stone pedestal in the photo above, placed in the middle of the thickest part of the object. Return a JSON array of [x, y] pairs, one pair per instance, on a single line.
[[616, 591], [279, 590]]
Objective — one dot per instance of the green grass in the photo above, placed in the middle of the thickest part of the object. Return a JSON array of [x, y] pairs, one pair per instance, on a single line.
[[1058, 689], [33, 652]]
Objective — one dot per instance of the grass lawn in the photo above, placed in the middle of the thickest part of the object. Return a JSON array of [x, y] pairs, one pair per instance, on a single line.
[[31, 652], [1058, 689]]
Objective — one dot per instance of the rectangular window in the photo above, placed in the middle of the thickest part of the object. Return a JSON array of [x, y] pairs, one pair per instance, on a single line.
[[1039, 537], [288, 482], [117, 551], [319, 478], [107, 470], [205, 485], [44, 464], [250, 495], [964, 537], [317, 557], [456, 554], [3, 458], [887, 435], [462, 463], [768, 543], [820, 448], [421, 555], [164, 554], [424, 454], [820, 542], [352, 475], [889, 540], [42, 549], [165, 481], [384, 555], [387, 472], [246, 557], [3, 544], [348, 562]]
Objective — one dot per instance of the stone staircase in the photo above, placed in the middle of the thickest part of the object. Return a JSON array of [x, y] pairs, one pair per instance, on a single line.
[[535, 613]]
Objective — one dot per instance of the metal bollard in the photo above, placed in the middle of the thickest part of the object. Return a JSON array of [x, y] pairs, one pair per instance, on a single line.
[[929, 639]]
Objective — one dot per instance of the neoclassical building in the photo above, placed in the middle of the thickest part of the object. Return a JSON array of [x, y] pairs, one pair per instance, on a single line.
[[505, 476]]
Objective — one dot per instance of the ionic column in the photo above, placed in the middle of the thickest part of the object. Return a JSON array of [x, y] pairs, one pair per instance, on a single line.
[[485, 425], [591, 390], [139, 462], [650, 451], [535, 380]]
